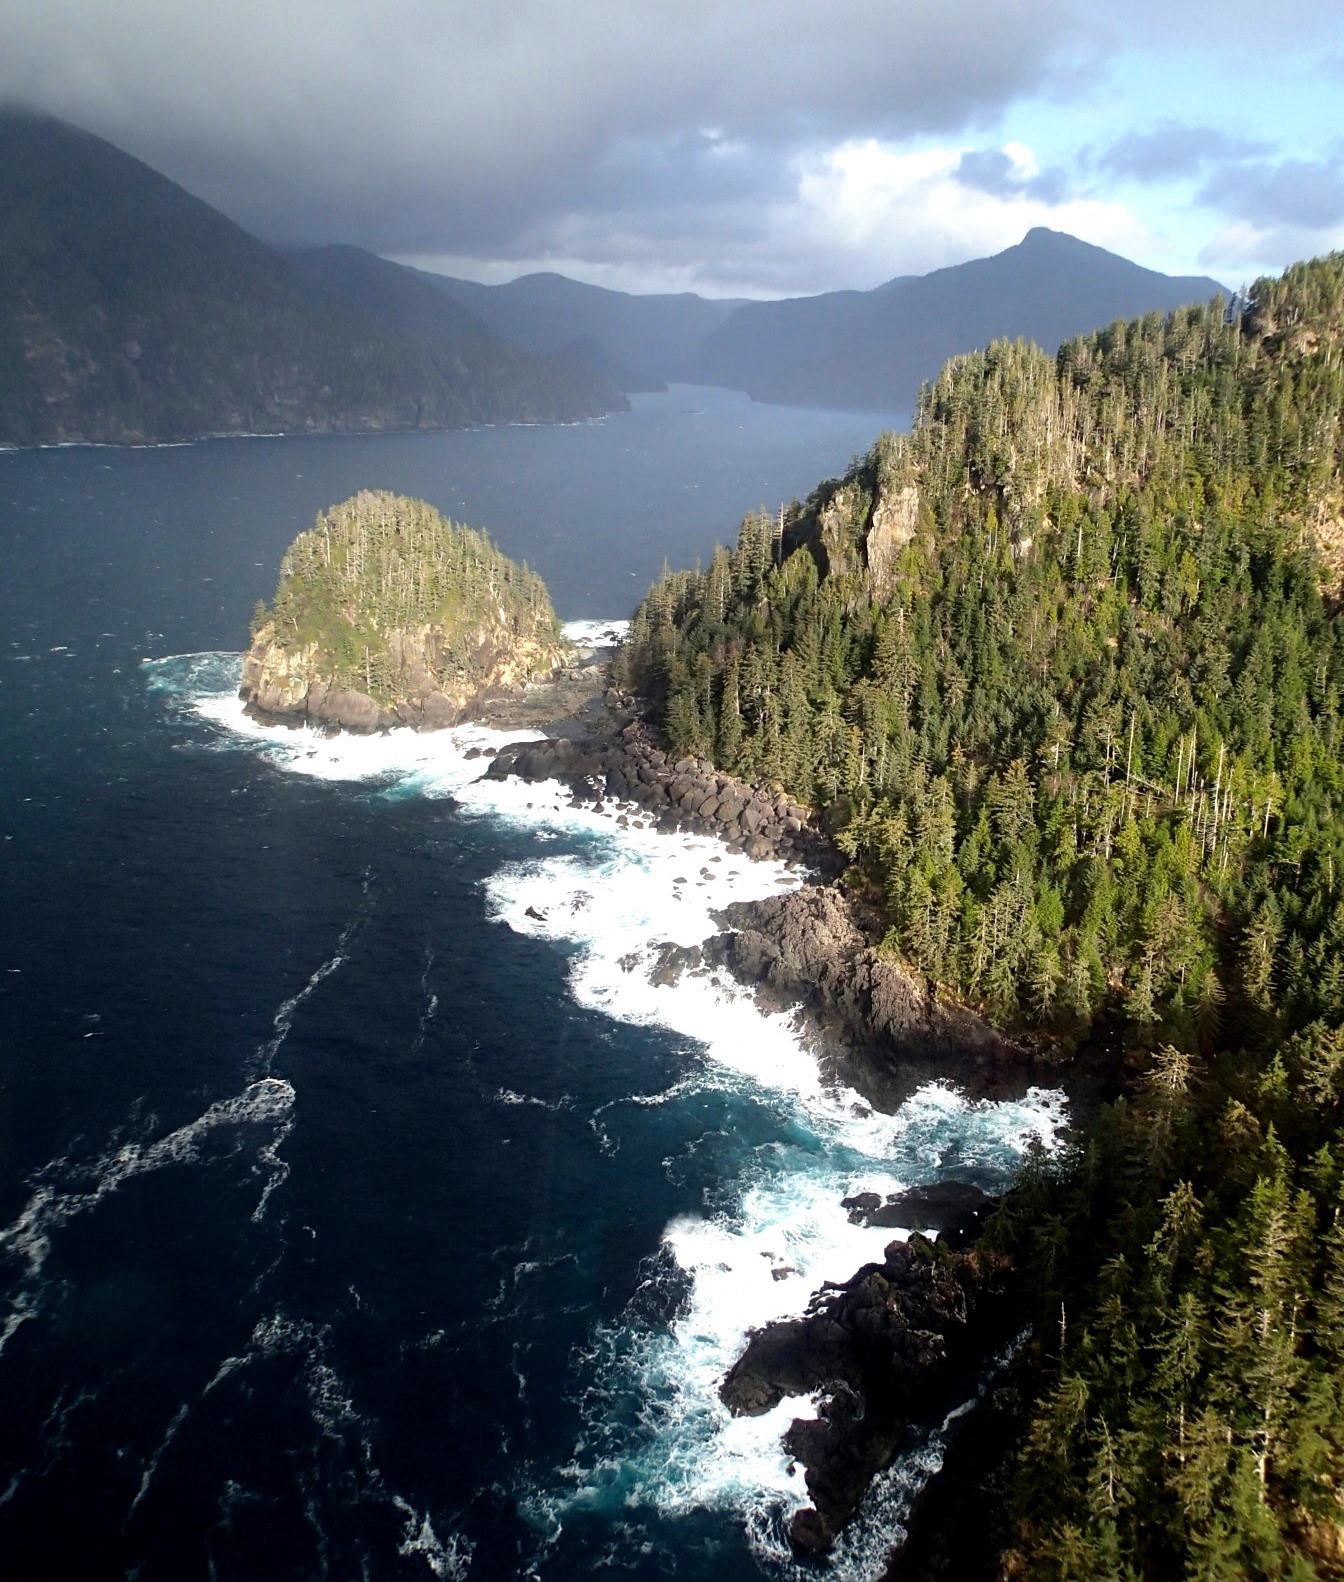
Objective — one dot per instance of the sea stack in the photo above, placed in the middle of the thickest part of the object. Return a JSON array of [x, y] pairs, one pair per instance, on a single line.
[[386, 614]]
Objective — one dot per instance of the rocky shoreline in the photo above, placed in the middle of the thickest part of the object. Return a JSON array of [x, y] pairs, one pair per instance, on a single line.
[[905, 1340], [813, 951], [896, 1347], [683, 796], [883, 1350]]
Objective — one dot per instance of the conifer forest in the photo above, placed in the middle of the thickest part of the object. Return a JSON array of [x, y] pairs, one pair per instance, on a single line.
[[1063, 670]]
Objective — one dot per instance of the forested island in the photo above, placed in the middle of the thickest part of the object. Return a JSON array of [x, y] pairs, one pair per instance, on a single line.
[[1061, 670], [386, 613]]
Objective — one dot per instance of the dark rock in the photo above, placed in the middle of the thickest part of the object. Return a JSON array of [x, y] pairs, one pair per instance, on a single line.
[[954, 1206], [879, 1029], [882, 1347], [860, 1205], [810, 1533]]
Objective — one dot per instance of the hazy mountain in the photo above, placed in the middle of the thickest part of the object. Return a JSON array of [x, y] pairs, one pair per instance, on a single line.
[[130, 310], [461, 345], [655, 339], [841, 349], [874, 348]]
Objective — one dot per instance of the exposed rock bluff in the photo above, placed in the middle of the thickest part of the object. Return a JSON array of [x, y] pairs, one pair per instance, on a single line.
[[426, 688]]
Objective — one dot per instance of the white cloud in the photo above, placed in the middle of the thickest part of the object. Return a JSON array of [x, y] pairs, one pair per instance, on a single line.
[[896, 212], [855, 214], [1242, 251]]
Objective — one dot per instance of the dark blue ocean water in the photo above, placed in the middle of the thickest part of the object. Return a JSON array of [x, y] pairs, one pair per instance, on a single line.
[[353, 1223]]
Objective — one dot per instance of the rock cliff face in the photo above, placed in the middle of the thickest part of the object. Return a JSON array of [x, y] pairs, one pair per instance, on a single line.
[[387, 614], [427, 691]]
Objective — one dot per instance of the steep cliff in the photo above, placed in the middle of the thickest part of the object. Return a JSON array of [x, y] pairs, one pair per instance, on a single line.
[[388, 614]]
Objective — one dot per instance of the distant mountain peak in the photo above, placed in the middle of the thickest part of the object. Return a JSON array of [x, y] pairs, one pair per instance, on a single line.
[[874, 348]]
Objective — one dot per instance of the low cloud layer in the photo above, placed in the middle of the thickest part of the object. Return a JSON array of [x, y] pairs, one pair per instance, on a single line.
[[694, 134]]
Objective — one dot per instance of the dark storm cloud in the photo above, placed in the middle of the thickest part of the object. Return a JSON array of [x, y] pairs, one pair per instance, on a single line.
[[991, 170], [699, 167], [497, 131], [1171, 150], [441, 124], [1297, 194]]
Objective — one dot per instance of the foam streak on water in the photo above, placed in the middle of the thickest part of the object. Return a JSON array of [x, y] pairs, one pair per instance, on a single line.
[[654, 1435], [64, 1188]]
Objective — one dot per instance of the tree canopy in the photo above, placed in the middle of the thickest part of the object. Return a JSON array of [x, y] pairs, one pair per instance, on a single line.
[[1063, 666]]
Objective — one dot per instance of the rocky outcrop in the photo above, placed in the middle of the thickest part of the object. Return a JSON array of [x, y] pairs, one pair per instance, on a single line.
[[954, 1209], [894, 522], [424, 688], [874, 1026], [647, 788], [883, 1347], [387, 613]]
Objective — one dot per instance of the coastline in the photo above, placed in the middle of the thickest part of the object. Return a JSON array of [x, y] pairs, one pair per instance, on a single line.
[[806, 1210], [905, 1348]]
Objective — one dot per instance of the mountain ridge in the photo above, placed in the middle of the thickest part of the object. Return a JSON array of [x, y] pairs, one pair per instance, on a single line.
[[875, 348], [850, 348], [134, 312]]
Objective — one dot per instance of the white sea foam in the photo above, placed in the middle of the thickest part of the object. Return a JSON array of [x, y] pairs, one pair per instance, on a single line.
[[449, 1559], [155, 1456], [655, 1432], [597, 634]]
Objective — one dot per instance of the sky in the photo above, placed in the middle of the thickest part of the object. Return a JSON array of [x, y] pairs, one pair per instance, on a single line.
[[759, 148]]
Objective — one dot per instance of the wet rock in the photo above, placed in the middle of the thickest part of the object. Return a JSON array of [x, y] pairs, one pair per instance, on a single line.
[[860, 1206], [955, 1207], [881, 1346], [880, 1029]]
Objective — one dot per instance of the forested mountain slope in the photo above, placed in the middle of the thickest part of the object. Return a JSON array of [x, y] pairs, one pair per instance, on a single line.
[[1065, 667], [131, 311], [542, 387]]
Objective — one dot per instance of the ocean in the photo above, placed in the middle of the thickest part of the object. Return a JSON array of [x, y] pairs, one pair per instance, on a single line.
[[366, 1210]]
